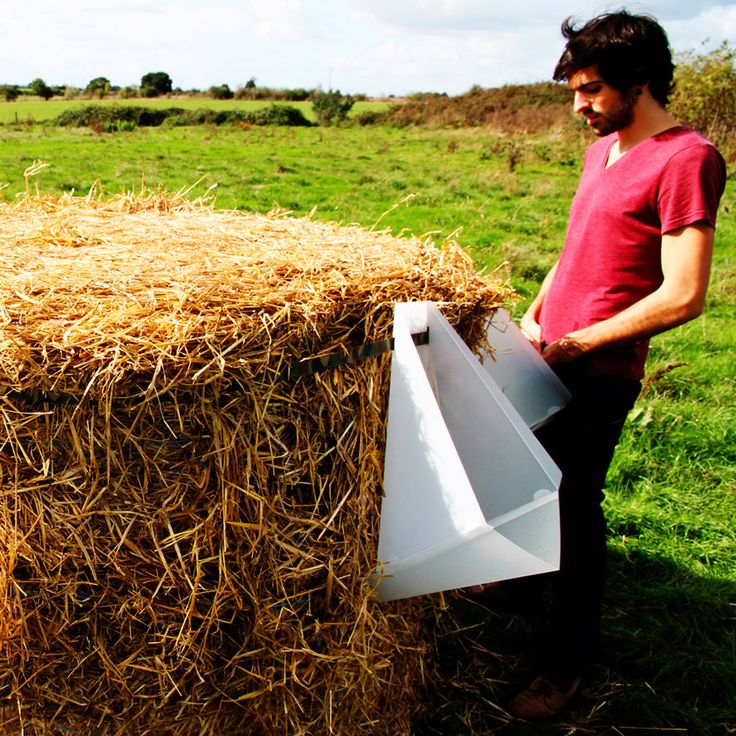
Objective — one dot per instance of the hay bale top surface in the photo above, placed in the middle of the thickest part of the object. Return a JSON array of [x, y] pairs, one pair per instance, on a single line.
[[181, 257], [120, 284]]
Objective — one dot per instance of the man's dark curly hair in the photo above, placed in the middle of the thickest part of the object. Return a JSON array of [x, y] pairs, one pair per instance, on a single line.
[[628, 50]]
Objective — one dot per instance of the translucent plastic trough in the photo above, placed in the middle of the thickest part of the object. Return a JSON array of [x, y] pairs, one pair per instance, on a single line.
[[470, 494]]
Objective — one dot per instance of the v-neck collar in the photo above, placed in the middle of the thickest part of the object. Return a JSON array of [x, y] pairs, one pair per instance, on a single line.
[[615, 139]]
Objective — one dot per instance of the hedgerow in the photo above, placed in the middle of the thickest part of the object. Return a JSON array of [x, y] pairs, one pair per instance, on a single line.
[[126, 117], [511, 107]]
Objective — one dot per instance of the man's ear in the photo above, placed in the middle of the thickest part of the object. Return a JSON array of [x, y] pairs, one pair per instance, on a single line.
[[639, 88]]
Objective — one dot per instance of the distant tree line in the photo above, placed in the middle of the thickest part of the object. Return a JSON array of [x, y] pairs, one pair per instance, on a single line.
[[159, 84]]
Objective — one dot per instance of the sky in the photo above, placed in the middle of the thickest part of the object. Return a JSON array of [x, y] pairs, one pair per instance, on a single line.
[[373, 47]]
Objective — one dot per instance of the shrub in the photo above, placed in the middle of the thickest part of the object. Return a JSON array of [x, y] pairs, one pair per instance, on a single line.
[[151, 117], [119, 126], [331, 107], [279, 115], [98, 87], [251, 92], [89, 115], [370, 117], [299, 94], [221, 92], [41, 89], [9, 92], [201, 116], [205, 116], [112, 117], [155, 84], [705, 94]]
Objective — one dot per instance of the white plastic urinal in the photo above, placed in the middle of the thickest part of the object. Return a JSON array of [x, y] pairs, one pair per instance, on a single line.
[[528, 382], [470, 494]]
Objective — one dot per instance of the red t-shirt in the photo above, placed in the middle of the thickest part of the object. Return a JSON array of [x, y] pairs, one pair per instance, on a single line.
[[612, 252]]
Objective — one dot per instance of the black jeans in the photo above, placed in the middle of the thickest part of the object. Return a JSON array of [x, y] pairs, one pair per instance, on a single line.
[[581, 440]]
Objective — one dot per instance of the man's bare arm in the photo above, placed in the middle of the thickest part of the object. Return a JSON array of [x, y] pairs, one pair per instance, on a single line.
[[686, 259]]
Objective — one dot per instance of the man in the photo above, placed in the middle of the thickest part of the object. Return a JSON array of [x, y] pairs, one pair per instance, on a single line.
[[635, 262]]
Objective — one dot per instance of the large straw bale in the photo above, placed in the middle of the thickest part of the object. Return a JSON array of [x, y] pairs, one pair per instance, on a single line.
[[188, 537]]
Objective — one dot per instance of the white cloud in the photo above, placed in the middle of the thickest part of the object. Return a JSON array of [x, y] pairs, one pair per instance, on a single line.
[[456, 43], [443, 16], [276, 20], [450, 16], [372, 46], [712, 28]]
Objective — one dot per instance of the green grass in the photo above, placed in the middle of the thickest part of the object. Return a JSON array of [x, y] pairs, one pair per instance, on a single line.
[[669, 658]]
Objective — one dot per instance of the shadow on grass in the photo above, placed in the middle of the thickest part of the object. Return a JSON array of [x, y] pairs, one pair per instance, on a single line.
[[667, 662]]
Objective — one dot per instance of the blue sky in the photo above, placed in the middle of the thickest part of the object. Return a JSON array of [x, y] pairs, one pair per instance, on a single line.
[[378, 47]]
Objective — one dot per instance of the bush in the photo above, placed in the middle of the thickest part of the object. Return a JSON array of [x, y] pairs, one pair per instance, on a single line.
[[113, 117], [152, 117], [41, 89], [331, 107], [94, 115], [201, 116], [279, 115], [370, 117], [705, 94], [252, 92], [98, 87], [9, 92], [299, 94], [155, 84], [221, 92]]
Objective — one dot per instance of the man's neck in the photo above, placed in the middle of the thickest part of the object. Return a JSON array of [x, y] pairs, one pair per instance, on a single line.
[[650, 118]]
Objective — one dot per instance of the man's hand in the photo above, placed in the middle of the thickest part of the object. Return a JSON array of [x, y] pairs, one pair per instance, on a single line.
[[529, 324], [563, 350]]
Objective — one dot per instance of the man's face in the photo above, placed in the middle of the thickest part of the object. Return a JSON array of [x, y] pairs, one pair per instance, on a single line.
[[606, 109]]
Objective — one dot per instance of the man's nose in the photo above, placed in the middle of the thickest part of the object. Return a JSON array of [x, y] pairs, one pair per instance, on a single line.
[[580, 102]]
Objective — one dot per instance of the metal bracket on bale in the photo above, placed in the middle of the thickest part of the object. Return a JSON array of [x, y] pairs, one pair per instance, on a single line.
[[295, 370], [335, 360]]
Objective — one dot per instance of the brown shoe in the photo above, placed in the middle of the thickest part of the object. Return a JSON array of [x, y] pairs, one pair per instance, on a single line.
[[542, 700]]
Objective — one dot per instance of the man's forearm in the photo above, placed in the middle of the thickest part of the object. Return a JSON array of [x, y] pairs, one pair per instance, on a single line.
[[686, 257]]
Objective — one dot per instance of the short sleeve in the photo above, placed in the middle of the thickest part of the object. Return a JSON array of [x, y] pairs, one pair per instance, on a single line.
[[691, 187]]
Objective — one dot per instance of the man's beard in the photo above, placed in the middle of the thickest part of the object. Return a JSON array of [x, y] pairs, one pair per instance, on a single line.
[[610, 122]]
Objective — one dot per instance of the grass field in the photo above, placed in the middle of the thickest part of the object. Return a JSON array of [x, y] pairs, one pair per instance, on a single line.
[[669, 656]]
